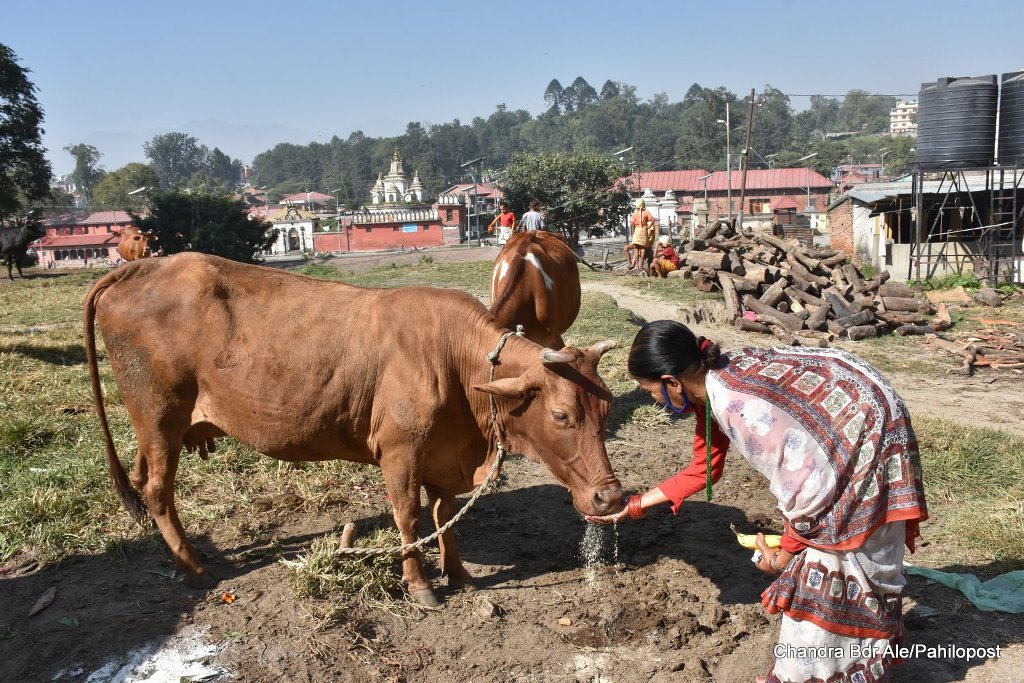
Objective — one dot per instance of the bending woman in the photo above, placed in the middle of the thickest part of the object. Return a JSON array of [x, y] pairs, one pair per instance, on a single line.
[[835, 443]]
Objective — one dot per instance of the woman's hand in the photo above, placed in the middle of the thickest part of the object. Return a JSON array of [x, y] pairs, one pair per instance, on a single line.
[[608, 519], [772, 561]]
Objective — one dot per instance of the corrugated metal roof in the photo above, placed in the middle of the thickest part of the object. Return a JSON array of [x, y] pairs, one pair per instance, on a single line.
[[299, 197], [107, 218]]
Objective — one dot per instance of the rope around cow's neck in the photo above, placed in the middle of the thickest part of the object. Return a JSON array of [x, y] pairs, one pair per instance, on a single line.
[[493, 358]]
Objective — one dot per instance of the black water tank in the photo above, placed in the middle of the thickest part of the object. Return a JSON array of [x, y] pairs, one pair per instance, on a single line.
[[1011, 120], [956, 123]]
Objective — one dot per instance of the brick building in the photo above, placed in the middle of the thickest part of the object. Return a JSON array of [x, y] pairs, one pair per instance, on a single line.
[[75, 238]]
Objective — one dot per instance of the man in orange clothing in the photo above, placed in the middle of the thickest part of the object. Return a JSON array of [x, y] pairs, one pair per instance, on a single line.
[[639, 249]]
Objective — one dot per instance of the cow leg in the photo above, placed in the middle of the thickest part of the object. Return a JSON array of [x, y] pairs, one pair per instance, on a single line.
[[443, 507], [404, 489], [155, 468]]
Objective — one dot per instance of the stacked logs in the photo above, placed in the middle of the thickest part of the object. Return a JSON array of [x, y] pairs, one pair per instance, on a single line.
[[802, 296]]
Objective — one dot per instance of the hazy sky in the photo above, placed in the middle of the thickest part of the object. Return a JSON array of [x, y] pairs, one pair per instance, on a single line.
[[246, 76]]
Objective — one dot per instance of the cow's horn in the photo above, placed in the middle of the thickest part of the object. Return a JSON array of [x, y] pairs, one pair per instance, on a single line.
[[603, 347], [552, 357]]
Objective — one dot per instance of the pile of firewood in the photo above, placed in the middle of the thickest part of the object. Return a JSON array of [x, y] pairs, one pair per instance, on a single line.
[[995, 347], [801, 295]]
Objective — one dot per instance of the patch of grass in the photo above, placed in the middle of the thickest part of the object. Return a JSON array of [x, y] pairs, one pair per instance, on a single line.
[[968, 281], [671, 289], [320, 571], [975, 492], [470, 276]]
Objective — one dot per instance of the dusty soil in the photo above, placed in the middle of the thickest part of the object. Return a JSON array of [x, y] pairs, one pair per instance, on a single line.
[[677, 599]]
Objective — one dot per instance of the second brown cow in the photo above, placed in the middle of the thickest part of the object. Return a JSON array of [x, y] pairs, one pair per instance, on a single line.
[[536, 283], [134, 244]]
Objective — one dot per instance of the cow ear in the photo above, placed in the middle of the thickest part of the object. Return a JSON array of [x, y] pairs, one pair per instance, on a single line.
[[508, 388]]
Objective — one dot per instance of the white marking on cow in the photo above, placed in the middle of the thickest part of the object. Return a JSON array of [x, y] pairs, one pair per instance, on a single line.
[[535, 262], [504, 270]]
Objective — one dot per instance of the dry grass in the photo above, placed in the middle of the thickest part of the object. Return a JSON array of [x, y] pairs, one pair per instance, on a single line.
[[975, 492], [320, 571]]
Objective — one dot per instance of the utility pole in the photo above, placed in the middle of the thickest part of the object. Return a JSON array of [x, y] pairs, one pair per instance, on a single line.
[[476, 207], [743, 164], [728, 160]]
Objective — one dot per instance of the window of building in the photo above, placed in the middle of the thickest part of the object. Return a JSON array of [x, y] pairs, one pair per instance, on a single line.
[[447, 214], [760, 205]]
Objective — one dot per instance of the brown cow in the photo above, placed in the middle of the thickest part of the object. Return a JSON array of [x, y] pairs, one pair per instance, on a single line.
[[536, 283], [202, 347], [134, 243]]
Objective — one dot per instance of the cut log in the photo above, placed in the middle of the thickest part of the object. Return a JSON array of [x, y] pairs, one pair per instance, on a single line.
[[706, 259], [774, 294], [704, 280], [732, 302], [896, 289], [811, 341], [862, 332], [784, 307], [752, 326], [989, 297], [756, 272], [893, 303], [871, 286], [896, 318], [818, 318], [790, 322], [806, 261], [838, 304], [782, 245], [804, 297], [862, 318], [783, 335], [735, 263], [798, 269], [742, 285], [852, 276], [834, 261], [820, 253], [904, 330]]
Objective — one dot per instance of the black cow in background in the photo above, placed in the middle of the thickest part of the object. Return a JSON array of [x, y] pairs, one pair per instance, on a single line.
[[15, 236]]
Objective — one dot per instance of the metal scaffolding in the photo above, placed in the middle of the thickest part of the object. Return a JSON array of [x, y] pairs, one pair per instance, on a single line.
[[970, 205]]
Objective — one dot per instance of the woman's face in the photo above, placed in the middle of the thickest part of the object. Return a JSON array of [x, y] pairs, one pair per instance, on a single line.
[[652, 387]]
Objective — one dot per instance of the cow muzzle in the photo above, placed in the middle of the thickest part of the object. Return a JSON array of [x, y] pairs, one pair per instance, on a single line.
[[606, 501]]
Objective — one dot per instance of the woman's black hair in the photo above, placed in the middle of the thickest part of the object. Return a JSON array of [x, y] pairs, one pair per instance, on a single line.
[[667, 347]]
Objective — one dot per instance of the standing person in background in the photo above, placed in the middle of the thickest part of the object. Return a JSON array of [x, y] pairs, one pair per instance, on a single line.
[[639, 249], [666, 259], [834, 441], [506, 222], [531, 220]]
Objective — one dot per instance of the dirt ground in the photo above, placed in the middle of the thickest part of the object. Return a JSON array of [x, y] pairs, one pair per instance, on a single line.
[[676, 600]]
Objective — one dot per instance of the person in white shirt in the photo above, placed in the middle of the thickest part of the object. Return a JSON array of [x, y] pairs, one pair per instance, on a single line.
[[532, 219]]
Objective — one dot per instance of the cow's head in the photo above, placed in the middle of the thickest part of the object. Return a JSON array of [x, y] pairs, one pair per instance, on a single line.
[[556, 415]]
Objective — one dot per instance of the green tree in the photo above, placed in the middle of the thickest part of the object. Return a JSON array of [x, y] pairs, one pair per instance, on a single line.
[[226, 171], [578, 190], [211, 224], [773, 122], [579, 95], [610, 90], [24, 171], [113, 191], [175, 156], [553, 97], [87, 173]]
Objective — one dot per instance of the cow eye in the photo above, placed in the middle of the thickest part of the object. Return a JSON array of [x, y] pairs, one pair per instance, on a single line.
[[560, 417]]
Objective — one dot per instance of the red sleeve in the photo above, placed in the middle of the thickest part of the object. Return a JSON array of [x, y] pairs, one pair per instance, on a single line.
[[792, 545], [689, 481]]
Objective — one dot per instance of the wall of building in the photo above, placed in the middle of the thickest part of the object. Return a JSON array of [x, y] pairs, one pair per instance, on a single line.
[[840, 221], [370, 237]]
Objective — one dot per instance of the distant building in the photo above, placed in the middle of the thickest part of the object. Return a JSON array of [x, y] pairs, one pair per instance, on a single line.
[[76, 238], [310, 201], [903, 118], [293, 230], [397, 216]]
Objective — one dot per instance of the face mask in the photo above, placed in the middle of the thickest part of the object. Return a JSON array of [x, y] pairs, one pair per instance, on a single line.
[[687, 405]]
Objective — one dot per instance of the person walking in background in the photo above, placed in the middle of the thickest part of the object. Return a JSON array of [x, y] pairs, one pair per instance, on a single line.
[[532, 219], [506, 222], [666, 259], [835, 443], [638, 250]]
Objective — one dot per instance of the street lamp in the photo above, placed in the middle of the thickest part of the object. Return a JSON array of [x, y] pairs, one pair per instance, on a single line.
[[881, 170], [810, 207], [728, 158], [476, 208], [707, 209], [621, 154]]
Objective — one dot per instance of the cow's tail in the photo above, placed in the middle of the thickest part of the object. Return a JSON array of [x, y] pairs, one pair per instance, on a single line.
[[129, 496], [509, 284]]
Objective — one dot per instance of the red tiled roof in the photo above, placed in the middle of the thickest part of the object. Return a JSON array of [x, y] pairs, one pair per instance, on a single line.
[[784, 203], [482, 190], [80, 241], [769, 179], [659, 181], [90, 218]]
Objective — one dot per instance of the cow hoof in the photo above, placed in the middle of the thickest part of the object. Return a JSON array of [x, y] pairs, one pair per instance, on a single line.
[[426, 597], [202, 580]]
